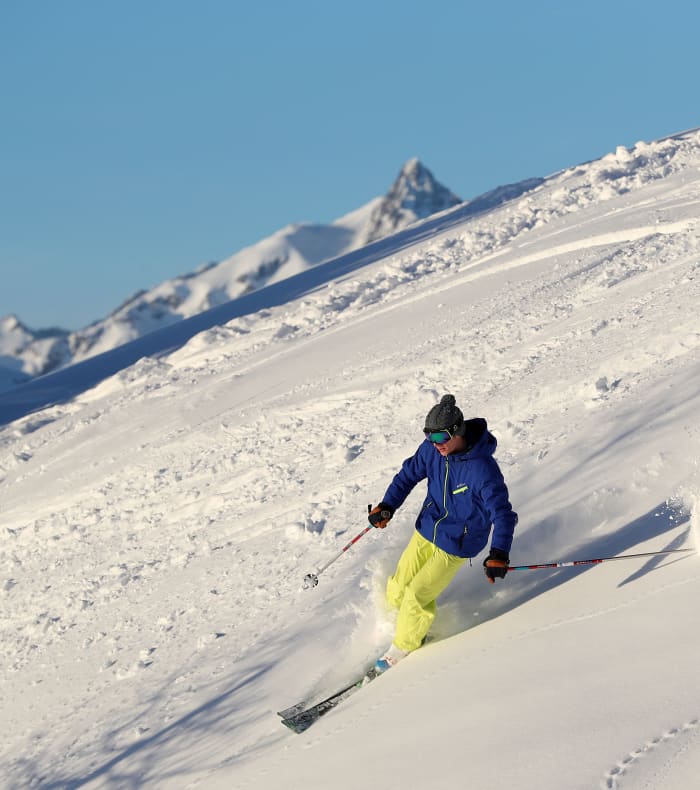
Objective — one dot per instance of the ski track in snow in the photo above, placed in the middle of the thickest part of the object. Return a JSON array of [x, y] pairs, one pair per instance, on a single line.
[[157, 552]]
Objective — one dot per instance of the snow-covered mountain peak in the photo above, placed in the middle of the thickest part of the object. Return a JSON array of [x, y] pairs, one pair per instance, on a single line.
[[16, 338], [11, 325], [8, 322], [414, 195]]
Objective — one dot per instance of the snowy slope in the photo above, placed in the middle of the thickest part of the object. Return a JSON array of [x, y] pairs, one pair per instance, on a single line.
[[10, 376], [157, 527]]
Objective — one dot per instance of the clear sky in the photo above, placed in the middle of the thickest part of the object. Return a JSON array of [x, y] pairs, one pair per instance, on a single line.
[[139, 140]]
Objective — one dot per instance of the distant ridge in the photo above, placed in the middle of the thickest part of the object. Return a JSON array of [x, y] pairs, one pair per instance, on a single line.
[[414, 195]]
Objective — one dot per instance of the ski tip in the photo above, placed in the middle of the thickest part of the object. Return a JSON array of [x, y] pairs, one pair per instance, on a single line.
[[299, 717], [301, 723], [295, 728]]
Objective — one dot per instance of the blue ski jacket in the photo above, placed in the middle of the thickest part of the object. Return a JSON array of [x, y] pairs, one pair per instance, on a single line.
[[466, 496]]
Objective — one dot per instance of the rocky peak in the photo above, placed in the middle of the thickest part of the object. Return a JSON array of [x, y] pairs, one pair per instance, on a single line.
[[10, 323], [416, 194], [14, 335]]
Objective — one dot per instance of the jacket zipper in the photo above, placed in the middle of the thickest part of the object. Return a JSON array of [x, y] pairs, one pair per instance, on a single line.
[[444, 501]]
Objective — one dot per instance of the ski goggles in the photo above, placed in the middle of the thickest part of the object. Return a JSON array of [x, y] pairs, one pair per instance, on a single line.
[[438, 437]]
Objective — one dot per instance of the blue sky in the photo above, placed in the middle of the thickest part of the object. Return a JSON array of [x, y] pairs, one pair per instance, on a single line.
[[139, 140]]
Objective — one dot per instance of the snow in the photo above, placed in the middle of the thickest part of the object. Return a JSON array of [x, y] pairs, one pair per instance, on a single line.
[[158, 523]]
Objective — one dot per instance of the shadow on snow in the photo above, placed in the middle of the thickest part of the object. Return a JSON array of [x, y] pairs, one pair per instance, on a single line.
[[138, 764]]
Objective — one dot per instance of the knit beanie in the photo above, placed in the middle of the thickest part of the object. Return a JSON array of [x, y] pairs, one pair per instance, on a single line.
[[444, 416]]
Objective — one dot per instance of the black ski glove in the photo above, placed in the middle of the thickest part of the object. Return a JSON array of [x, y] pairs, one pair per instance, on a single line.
[[381, 515], [496, 565]]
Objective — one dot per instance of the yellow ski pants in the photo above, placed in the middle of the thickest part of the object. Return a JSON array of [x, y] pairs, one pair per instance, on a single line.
[[422, 574]]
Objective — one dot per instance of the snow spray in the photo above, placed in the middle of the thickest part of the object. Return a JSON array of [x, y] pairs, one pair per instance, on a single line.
[[689, 497]]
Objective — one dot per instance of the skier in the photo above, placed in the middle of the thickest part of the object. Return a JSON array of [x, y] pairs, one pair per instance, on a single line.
[[467, 495]]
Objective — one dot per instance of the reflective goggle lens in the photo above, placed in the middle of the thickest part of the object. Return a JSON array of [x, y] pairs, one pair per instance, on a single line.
[[438, 437]]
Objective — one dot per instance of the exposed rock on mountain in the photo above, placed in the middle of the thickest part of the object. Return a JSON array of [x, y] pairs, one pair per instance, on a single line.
[[414, 195]]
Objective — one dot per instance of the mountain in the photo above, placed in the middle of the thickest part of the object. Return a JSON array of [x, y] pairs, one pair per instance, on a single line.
[[414, 195], [25, 352], [157, 523]]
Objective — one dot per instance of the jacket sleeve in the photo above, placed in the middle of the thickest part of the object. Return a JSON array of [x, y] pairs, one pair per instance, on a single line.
[[494, 495], [412, 471]]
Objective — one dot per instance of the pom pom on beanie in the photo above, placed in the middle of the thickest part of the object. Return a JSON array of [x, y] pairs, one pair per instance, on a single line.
[[444, 416]]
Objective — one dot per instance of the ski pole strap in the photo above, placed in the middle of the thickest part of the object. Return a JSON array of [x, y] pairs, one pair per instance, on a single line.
[[572, 563]]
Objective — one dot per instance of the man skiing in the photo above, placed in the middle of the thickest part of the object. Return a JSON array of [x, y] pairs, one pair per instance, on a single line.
[[467, 496]]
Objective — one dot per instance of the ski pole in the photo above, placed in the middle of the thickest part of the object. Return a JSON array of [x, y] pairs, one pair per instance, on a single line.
[[596, 561], [311, 579]]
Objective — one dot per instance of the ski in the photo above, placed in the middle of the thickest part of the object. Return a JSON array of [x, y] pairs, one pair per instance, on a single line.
[[300, 717]]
